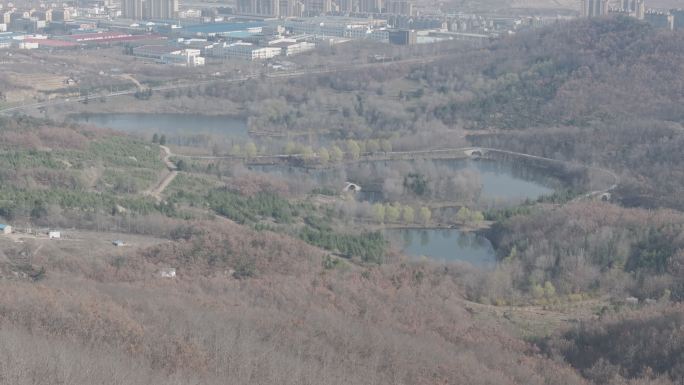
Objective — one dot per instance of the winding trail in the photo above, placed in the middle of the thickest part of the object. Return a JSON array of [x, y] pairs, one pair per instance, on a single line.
[[132, 79], [169, 176]]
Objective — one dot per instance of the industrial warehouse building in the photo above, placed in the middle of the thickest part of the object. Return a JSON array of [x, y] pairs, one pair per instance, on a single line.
[[242, 50], [291, 47], [167, 54]]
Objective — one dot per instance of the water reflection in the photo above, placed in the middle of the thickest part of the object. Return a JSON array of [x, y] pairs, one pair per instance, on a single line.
[[174, 126], [484, 181], [446, 245]]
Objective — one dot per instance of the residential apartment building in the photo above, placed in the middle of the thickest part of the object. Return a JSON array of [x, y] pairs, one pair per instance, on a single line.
[[594, 8], [346, 6], [371, 6], [161, 9], [149, 9], [268, 8], [317, 7], [635, 8], [132, 9], [400, 7]]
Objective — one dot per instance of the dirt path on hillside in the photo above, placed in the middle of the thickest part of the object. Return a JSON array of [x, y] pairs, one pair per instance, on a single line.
[[168, 177], [132, 79]]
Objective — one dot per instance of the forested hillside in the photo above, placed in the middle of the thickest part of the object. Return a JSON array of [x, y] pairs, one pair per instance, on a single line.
[[579, 74], [55, 174], [606, 92], [646, 344], [290, 319], [229, 275], [594, 247]]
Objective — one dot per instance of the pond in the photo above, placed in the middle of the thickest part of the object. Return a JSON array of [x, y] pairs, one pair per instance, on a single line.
[[180, 129], [445, 245], [503, 181], [447, 180]]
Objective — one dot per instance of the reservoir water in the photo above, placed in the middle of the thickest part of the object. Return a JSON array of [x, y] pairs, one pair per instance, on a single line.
[[446, 245], [490, 181], [177, 127]]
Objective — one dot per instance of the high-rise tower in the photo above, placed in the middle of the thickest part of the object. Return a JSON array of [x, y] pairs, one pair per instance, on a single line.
[[594, 8]]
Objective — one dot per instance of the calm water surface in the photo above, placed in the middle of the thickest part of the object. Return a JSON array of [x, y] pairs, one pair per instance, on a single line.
[[168, 124], [501, 182], [447, 245]]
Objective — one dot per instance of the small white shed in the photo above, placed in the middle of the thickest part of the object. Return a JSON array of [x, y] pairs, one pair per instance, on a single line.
[[168, 272]]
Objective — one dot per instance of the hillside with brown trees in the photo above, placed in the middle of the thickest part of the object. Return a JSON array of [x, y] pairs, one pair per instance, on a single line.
[[115, 321], [643, 344], [230, 276]]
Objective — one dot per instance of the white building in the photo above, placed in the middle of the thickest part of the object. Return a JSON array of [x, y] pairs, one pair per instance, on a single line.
[[351, 28], [248, 51], [165, 54], [184, 57], [27, 45], [291, 47]]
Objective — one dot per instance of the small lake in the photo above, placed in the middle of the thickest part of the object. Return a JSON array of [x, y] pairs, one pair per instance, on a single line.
[[445, 245], [491, 181], [179, 128], [503, 181]]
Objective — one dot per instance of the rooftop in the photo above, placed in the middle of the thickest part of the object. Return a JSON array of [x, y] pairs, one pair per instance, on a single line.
[[107, 37], [282, 44], [221, 27], [157, 49], [51, 42], [96, 36], [339, 20]]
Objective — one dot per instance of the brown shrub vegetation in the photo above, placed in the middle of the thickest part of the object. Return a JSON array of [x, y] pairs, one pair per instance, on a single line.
[[294, 323]]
